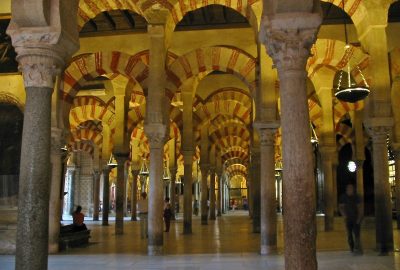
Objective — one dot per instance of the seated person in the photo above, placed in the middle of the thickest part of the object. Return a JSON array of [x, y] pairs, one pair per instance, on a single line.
[[78, 219]]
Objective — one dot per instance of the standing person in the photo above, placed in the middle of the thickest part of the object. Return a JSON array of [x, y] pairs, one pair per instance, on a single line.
[[78, 217], [142, 209], [350, 208], [167, 214]]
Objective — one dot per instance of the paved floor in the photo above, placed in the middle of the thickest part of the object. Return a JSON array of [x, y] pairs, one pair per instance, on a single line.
[[224, 244]]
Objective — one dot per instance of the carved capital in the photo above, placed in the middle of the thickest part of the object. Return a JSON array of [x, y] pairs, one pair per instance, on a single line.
[[121, 158], [156, 134], [379, 134], [267, 136], [288, 38]]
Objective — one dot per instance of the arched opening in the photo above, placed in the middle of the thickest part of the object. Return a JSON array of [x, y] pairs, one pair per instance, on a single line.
[[394, 12], [11, 122], [113, 22], [212, 17]]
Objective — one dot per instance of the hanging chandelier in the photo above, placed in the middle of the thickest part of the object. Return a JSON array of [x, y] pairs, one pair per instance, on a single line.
[[166, 174], [112, 163], [144, 171], [347, 89]]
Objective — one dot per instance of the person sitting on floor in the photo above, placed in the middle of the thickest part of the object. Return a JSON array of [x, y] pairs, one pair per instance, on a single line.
[[78, 219]]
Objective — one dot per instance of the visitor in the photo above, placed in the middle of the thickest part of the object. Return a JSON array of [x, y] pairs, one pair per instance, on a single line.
[[167, 214], [196, 207], [142, 209], [350, 208], [78, 218]]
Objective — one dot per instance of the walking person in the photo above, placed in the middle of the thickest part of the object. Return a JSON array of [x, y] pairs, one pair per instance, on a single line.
[[142, 209], [167, 214], [351, 210]]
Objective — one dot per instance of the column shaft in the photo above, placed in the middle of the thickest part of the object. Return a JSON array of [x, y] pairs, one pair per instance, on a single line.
[[327, 156], [173, 192], [96, 195], [219, 197], [135, 174], [155, 242], [106, 195], [268, 239], [34, 182], [55, 191], [120, 192], [397, 185], [187, 193], [204, 193], [212, 195], [256, 190], [383, 207]]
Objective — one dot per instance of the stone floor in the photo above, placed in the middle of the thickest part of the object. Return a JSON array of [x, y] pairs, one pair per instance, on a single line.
[[224, 244]]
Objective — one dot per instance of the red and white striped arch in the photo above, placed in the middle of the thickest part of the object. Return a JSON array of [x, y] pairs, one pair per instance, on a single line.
[[208, 59]]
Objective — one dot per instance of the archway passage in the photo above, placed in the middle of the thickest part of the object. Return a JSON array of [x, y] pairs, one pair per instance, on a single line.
[[11, 121]]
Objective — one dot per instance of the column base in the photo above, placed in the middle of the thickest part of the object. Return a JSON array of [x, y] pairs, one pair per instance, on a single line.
[[53, 248], [154, 250], [187, 228], [104, 223], [134, 219], [268, 250]]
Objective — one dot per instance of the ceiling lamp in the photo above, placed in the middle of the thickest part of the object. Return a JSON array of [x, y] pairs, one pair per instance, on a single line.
[[314, 138], [112, 162], [166, 174], [144, 171], [347, 89]]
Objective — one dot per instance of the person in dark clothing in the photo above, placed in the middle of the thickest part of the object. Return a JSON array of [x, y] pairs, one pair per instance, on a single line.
[[167, 214], [350, 208]]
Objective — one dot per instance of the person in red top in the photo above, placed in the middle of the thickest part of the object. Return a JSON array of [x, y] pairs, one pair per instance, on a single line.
[[78, 219]]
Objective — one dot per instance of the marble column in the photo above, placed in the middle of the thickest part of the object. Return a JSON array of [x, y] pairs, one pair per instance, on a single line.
[[135, 174], [268, 240], [360, 182], [219, 196], [383, 206], [187, 192], [173, 171], [106, 195], [204, 193], [328, 153], [212, 194], [55, 189], [396, 151], [96, 194], [156, 194], [288, 39], [121, 158], [256, 189]]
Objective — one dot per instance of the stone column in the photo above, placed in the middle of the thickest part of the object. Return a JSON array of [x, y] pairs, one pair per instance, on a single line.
[[328, 153], [55, 189], [396, 151], [212, 194], [256, 189], [360, 181], [96, 194], [219, 197], [135, 174], [268, 217], [121, 158], [187, 193], [383, 206], [42, 51], [156, 192], [106, 195], [173, 190], [71, 169], [288, 38], [335, 189], [204, 192]]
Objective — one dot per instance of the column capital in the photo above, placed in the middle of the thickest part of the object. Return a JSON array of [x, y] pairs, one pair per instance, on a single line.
[[288, 38], [378, 128], [267, 133], [156, 134]]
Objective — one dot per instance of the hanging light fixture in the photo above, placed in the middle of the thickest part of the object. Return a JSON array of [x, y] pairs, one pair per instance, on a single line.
[[112, 162], [347, 89], [144, 171], [314, 138], [166, 174]]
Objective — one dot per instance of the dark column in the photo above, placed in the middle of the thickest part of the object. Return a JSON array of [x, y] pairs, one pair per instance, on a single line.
[[212, 194], [173, 191], [187, 196], [135, 174], [256, 188], [106, 195], [120, 196], [204, 192], [96, 195]]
